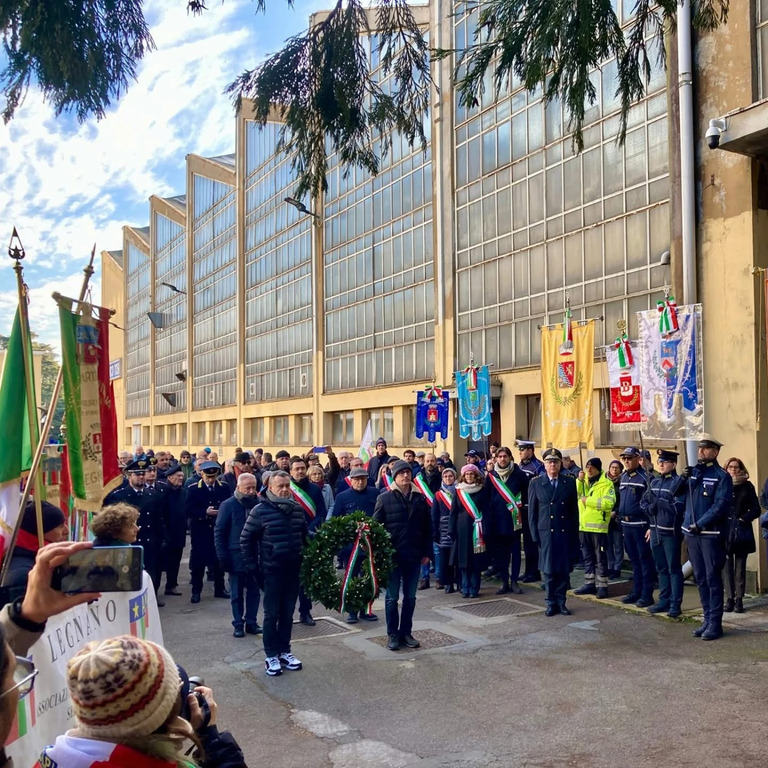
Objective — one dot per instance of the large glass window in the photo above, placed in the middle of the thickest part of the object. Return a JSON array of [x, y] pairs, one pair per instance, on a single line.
[[533, 220], [378, 268], [280, 431], [761, 8], [278, 275], [137, 292], [170, 256], [343, 428], [214, 295], [305, 429], [383, 424], [255, 429]]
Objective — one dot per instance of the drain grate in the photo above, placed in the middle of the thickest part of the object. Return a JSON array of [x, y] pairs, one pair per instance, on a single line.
[[429, 638], [504, 606], [323, 628]]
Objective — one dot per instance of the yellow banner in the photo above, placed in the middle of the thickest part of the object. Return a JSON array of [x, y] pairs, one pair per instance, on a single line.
[[567, 371]]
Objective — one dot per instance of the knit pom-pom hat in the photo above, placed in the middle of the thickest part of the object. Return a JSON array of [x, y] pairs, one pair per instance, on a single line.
[[122, 688]]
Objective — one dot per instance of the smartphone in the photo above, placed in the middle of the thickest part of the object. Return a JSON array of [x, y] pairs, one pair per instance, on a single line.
[[101, 569], [318, 449]]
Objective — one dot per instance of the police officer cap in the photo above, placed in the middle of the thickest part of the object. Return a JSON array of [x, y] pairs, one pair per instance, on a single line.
[[552, 454], [710, 443], [526, 444], [665, 455], [210, 466], [172, 470], [358, 472], [152, 461], [631, 452], [140, 465]]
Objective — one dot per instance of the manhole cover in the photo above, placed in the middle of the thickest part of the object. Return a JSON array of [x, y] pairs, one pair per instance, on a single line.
[[504, 606], [429, 638], [323, 628]]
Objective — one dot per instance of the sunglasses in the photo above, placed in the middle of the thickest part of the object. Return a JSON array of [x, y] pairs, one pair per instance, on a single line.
[[24, 675]]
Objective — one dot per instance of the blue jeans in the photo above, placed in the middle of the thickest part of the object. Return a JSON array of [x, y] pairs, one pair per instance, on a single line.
[[244, 591], [435, 559], [407, 575], [470, 580]]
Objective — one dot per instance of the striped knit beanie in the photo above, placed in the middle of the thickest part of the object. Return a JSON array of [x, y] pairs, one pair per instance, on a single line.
[[122, 688]]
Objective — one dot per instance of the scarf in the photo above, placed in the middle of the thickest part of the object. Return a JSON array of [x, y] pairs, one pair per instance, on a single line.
[[249, 502], [504, 473], [464, 492], [287, 506], [77, 752], [739, 479]]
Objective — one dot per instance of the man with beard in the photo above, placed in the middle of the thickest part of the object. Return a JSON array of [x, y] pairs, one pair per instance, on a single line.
[[243, 584], [175, 528], [428, 480]]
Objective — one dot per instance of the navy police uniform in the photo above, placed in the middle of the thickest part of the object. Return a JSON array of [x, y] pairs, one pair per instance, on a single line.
[[664, 506], [532, 467], [634, 524], [705, 526]]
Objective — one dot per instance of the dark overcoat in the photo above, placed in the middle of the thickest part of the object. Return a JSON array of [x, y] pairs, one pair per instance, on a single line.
[[462, 527], [553, 516], [201, 525]]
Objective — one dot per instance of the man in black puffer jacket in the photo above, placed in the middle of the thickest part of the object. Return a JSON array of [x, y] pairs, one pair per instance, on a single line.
[[405, 513], [272, 541]]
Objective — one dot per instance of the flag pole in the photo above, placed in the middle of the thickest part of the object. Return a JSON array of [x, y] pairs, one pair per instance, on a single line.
[[17, 253], [46, 430]]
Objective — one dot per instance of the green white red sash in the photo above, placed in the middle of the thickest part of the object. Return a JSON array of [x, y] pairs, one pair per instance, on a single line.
[[348, 481], [389, 482], [421, 484], [445, 497], [478, 541], [361, 548], [305, 500], [512, 500]]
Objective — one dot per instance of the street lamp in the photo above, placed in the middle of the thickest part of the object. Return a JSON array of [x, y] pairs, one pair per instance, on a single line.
[[301, 208], [174, 288]]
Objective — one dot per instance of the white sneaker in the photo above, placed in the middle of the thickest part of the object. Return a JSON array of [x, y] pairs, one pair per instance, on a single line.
[[272, 666], [289, 661]]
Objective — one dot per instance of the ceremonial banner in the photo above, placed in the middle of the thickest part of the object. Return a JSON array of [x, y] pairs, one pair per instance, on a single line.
[[367, 448], [473, 392], [14, 433], [672, 395], [47, 711], [432, 413], [90, 415], [567, 372], [624, 378]]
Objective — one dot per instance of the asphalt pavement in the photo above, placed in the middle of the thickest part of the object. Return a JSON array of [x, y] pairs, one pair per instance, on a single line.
[[497, 683]]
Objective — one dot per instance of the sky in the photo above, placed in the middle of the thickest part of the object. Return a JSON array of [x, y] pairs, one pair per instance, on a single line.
[[67, 185]]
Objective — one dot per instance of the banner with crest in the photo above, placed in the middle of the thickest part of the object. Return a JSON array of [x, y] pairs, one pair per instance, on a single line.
[[671, 370], [473, 391], [432, 413], [567, 374], [624, 378]]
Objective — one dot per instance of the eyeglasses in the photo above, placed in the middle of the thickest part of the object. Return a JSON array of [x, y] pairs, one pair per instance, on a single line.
[[24, 676]]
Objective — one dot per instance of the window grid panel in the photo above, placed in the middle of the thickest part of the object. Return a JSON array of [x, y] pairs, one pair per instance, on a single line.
[[137, 357]]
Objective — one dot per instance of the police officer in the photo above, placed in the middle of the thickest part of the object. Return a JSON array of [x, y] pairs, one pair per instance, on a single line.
[[151, 522], [633, 483], [705, 526], [664, 506], [554, 516], [532, 467], [202, 506]]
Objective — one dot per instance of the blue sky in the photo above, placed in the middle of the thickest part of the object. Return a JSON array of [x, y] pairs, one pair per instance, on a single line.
[[67, 185]]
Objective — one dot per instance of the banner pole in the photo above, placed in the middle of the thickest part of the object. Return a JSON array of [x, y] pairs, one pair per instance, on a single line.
[[46, 430]]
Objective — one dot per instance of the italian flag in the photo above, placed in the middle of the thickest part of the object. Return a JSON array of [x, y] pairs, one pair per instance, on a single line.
[[25, 718], [14, 433]]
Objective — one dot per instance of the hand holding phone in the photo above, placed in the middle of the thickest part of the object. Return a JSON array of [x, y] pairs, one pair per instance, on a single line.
[[319, 449], [101, 569]]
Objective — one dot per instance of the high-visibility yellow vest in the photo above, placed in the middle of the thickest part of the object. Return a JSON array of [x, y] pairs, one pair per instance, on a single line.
[[595, 512]]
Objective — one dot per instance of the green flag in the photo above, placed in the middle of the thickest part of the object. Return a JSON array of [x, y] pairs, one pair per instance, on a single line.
[[14, 431]]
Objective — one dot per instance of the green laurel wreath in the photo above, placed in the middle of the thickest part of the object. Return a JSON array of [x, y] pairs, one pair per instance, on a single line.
[[564, 401], [318, 572]]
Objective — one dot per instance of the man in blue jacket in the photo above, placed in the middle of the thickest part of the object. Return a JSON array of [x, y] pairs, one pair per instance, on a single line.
[[710, 498], [243, 584]]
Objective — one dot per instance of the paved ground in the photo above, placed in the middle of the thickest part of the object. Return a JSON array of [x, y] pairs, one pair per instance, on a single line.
[[602, 688]]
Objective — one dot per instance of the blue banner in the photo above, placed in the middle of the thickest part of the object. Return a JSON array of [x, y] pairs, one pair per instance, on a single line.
[[432, 413], [474, 396]]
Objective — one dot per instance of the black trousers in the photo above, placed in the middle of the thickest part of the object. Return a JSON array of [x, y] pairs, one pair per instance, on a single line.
[[736, 575], [199, 573], [446, 576], [280, 592], [556, 587], [171, 564], [531, 549]]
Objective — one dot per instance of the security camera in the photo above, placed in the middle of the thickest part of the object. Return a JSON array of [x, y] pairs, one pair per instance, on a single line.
[[715, 130]]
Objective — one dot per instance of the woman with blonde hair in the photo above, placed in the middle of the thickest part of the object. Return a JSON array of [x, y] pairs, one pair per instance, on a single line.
[[316, 475], [115, 526]]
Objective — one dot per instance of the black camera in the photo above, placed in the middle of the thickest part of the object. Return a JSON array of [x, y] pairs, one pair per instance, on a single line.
[[188, 685]]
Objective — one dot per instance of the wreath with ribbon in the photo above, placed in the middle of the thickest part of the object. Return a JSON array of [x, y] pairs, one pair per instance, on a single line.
[[371, 549]]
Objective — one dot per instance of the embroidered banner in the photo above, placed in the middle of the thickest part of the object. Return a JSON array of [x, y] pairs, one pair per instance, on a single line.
[[432, 413], [671, 370], [567, 372], [473, 392], [624, 378]]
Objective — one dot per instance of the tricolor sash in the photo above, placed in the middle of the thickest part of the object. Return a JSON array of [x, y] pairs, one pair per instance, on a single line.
[[389, 482], [478, 541], [445, 498], [305, 500], [421, 484], [360, 549], [348, 481], [512, 500]]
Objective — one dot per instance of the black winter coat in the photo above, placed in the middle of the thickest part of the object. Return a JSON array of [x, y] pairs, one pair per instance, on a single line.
[[501, 520], [350, 501], [316, 494], [408, 522], [273, 538], [462, 529], [226, 533], [201, 525], [441, 522], [375, 464], [553, 516], [746, 508], [175, 518]]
